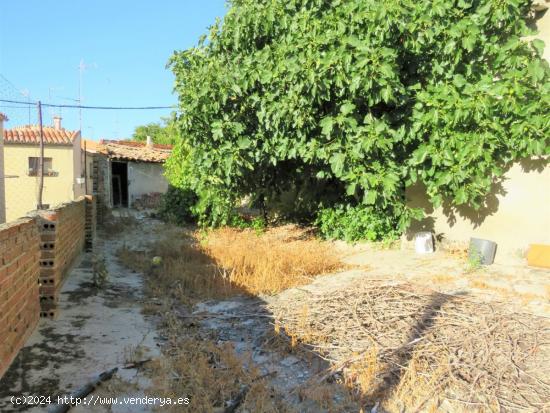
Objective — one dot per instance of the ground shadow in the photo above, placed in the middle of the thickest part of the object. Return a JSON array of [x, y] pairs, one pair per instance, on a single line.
[[402, 356]]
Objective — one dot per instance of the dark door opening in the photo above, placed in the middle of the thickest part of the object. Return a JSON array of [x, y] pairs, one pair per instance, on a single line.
[[119, 184]]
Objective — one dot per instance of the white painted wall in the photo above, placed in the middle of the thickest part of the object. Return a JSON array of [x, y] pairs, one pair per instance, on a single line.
[[145, 178]]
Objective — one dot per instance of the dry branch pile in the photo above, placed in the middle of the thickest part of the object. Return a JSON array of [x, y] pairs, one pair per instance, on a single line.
[[414, 349]]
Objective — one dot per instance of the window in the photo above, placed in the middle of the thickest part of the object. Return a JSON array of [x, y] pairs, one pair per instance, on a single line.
[[34, 167]]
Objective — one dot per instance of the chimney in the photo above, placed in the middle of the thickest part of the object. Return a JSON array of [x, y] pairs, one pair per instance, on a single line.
[[149, 143], [57, 122]]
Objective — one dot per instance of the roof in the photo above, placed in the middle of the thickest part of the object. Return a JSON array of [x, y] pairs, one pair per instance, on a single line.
[[30, 135], [134, 151], [90, 146]]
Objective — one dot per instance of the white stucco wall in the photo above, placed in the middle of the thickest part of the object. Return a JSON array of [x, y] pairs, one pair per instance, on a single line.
[[145, 178]]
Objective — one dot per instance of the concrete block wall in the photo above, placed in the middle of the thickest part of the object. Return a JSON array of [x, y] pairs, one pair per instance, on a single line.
[[19, 272], [101, 186], [91, 222], [62, 239]]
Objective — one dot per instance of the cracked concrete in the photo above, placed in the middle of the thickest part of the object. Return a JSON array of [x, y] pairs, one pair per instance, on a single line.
[[96, 330]]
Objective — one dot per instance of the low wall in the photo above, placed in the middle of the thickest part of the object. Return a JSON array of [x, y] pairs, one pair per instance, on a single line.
[[36, 255], [517, 213], [19, 271], [62, 233]]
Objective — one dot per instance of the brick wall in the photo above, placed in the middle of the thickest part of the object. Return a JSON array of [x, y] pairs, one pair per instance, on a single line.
[[36, 255], [19, 271], [62, 238]]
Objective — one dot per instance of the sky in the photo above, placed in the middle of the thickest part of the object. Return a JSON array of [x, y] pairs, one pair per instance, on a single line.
[[124, 45]]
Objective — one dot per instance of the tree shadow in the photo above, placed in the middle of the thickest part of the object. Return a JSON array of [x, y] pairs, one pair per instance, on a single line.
[[476, 216], [402, 357]]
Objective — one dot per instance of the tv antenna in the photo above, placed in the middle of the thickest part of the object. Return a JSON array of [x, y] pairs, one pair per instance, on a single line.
[[81, 68]]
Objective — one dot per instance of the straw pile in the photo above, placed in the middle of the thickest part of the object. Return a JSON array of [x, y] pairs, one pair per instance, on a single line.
[[412, 349]]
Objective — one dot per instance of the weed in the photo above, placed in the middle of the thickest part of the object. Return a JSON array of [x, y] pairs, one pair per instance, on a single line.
[[99, 270], [474, 262]]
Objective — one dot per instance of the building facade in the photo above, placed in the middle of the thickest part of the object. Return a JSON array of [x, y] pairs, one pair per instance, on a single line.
[[63, 180], [126, 174]]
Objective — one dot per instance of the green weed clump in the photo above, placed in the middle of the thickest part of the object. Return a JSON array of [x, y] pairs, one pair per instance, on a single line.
[[355, 223]]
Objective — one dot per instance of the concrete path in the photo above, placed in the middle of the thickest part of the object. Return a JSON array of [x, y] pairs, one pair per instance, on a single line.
[[96, 330]]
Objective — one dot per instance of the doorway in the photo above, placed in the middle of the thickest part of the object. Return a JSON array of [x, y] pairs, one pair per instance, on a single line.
[[119, 184]]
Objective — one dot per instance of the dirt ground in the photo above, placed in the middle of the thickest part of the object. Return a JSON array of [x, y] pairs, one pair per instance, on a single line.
[[102, 328], [523, 288]]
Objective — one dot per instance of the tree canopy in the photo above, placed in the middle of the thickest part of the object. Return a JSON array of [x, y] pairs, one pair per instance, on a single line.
[[332, 103], [164, 133]]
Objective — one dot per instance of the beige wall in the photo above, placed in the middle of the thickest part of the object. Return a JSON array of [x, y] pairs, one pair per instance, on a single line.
[[517, 215], [543, 25], [2, 192], [22, 190], [78, 168]]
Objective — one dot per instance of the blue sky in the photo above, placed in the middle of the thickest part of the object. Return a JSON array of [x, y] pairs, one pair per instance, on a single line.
[[124, 43]]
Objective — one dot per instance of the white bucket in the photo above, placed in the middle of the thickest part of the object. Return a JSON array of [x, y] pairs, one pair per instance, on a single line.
[[424, 242]]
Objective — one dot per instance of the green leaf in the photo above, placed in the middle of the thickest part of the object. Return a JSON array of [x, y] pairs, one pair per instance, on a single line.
[[337, 163], [369, 197], [350, 190], [326, 125], [243, 143], [539, 46], [347, 108], [420, 155]]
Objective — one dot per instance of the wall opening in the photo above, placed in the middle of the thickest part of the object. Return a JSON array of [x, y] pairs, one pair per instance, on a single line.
[[119, 184]]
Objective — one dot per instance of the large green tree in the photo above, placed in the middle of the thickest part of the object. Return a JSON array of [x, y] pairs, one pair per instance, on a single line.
[[349, 101], [165, 132]]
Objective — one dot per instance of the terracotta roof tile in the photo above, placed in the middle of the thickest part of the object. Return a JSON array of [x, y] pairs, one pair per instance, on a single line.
[[31, 135], [134, 151], [91, 146]]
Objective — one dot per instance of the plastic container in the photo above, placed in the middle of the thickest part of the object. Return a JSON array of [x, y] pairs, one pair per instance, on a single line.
[[482, 250], [424, 242]]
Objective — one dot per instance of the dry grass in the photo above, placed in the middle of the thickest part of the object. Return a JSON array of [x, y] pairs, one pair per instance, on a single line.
[[271, 262], [442, 279], [185, 272], [413, 349], [211, 375], [227, 262], [507, 293]]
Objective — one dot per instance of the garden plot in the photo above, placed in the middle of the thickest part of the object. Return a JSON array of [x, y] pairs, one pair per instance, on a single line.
[[358, 338]]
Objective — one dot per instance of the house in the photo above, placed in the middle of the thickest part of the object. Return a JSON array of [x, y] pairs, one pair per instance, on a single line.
[[2, 191], [62, 167], [126, 173]]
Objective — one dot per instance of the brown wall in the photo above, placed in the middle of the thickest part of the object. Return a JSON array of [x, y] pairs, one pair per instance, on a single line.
[[517, 213], [19, 271], [36, 255]]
